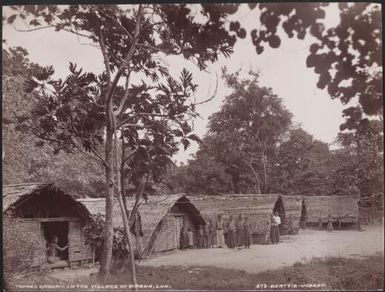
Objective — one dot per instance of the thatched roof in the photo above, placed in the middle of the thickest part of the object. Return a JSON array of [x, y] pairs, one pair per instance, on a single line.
[[257, 208], [227, 202], [151, 212], [337, 206], [16, 194], [292, 203]]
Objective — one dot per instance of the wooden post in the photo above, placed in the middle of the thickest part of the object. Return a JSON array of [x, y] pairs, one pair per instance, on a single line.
[[359, 224], [93, 257], [267, 237]]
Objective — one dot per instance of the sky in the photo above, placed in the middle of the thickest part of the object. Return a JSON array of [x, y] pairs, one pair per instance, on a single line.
[[283, 69]]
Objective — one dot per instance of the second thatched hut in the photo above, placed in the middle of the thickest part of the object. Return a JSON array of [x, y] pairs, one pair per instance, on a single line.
[[258, 208], [161, 220], [343, 208]]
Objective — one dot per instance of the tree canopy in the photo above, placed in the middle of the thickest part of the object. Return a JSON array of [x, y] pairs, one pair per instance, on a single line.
[[239, 150], [247, 128], [346, 57], [302, 166], [132, 129]]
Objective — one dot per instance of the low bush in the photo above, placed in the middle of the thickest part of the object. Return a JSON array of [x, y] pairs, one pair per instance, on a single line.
[[18, 248]]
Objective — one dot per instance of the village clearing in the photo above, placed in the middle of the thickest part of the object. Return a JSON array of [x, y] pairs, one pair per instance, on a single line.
[[302, 247], [341, 260]]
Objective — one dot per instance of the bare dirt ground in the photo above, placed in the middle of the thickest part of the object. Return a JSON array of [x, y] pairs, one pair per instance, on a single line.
[[70, 275], [293, 248]]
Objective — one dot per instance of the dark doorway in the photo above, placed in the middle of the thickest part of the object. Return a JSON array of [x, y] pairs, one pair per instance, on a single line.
[[278, 206], [59, 229], [303, 217]]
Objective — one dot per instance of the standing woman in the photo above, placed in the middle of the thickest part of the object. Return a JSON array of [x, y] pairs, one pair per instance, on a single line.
[[190, 238], [330, 224], [274, 231], [200, 237], [247, 233], [219, 232], [239, 231], [206, 234], [212, 235], [226, 233], [183, 238], [231, 232], [278, 221]]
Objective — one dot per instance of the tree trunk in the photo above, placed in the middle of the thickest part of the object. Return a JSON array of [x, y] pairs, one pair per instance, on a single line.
[[108, 227], [120, 177], [264, 157], [258, 187], [129, 241]]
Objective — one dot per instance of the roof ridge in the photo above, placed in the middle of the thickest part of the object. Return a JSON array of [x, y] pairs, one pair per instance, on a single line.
[[27, 184], [90, 199]]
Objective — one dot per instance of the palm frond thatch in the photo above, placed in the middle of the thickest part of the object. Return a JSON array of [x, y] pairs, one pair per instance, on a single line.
[[320, 207]]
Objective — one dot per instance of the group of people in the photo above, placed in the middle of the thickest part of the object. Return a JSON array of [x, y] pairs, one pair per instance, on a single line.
[[231, 233]]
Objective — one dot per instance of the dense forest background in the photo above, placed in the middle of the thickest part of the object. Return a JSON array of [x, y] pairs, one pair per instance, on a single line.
[[25, 158], [252, 146]]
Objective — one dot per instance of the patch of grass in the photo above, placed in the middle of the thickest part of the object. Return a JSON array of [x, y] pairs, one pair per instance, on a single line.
[[336, 273]]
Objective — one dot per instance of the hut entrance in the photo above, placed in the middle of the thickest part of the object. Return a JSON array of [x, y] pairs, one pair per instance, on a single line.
[[278, 206], [59, 229], [178, 227]]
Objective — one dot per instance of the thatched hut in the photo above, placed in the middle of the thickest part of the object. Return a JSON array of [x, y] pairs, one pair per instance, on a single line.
[[258, 208], [161, 219], [33, 214], [344, 208], [371, 208]]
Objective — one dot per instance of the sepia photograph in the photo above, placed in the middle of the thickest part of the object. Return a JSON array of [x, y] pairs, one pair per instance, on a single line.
[[192, 146]]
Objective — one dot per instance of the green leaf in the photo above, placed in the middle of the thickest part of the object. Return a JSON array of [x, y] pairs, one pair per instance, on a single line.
[[195, 138], [11, 19], [186, 143]]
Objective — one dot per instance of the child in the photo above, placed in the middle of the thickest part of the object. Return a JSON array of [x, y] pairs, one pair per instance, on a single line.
[[319, 223], [51, 251]]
